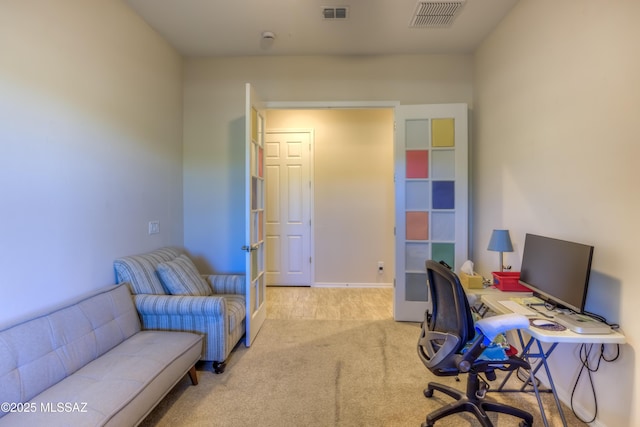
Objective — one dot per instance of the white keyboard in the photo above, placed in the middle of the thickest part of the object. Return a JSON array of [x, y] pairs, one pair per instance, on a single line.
[[517, 308]]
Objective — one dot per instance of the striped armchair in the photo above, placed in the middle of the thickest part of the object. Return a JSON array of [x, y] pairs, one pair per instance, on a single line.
[[171, 295]]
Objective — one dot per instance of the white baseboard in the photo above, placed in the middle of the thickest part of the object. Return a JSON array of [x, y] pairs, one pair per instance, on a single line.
[[565, 397], [585, 414], [351, 285]]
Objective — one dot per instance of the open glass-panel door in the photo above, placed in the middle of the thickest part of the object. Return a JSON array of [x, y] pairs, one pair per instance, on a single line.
[[254, 215], [431, 199]]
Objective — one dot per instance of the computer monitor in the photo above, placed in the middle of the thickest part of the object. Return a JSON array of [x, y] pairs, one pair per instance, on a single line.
[[557, 270]]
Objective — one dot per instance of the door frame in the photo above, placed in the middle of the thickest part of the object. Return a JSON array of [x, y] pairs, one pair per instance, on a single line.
[[311, 134], [362, 105], [329, 105]]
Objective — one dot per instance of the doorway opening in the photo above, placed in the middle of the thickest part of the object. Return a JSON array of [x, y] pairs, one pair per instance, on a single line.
[[350, 186]]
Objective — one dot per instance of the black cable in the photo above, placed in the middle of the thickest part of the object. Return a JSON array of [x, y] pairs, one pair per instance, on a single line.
[[595, 316], [614, 358], [601, 319], [584, 358], [585, 364], [527, 379]]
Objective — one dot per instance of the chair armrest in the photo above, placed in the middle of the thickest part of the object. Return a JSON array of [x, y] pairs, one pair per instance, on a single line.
[[180, 305], [491, 327], [226, 283], [434, 347]]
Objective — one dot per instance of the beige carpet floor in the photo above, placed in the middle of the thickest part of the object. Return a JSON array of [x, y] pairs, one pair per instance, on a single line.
[[325, 373]]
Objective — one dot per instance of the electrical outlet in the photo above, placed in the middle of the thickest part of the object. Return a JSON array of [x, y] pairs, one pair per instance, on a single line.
[[154, 227], [380, 267]]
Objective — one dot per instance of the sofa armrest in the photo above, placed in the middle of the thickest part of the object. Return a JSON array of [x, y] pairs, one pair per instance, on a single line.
[[226, 283], [180, 305]]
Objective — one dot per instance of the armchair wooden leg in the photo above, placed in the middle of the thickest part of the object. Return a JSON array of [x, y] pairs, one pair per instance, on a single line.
[[193, 375]]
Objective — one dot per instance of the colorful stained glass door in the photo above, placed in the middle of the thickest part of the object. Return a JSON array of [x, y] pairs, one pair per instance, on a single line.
[[431, 199], [256, 287]]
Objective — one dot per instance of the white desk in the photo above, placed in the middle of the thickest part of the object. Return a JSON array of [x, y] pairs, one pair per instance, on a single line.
[[475, 295], [536, 336], [566, 336]]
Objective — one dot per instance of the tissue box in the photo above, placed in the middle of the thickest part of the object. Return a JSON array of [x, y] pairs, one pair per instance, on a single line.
[[508, 281], [471, 282]]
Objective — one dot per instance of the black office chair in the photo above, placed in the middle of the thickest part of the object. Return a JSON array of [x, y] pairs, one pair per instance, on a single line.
[[446, 331]]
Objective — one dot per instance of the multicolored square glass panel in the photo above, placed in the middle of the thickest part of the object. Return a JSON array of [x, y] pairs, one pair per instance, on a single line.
[[443, 252], [417, 225], [429, 199], [443, 226], [417, 164], [444, 164], [416, 134], [416, 287], [443, 194], [417, 195], [415, 256], [442, 133]]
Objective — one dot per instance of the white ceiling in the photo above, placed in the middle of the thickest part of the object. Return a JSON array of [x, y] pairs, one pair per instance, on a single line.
[[374, 27]]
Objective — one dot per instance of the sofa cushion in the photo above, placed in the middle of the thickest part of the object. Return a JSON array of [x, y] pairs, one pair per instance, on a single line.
[[181, 277], [118, 388], [36, 354], [140, 270]]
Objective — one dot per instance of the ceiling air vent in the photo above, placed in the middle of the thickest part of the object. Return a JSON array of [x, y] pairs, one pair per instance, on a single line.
[[335, 13], [436, 14]]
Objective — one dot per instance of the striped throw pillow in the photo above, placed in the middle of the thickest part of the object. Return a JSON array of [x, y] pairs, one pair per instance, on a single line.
[[181, 277]]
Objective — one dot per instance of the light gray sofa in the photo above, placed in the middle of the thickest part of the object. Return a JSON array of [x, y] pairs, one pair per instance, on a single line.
[[88, 363], [170, 294]]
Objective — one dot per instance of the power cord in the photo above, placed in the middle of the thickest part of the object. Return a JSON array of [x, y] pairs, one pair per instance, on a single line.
[[601, 319], [526, 378], [586, 365], [585, 355]]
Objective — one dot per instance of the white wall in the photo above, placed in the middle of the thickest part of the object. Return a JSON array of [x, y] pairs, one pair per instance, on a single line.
[[90, 134], [556, 98], [214, 124], [353, 192]]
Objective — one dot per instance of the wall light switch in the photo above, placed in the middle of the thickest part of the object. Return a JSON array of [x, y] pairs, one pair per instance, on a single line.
[[154, 227]]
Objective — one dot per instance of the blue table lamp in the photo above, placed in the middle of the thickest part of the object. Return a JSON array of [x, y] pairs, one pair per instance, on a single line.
[[500, 242]]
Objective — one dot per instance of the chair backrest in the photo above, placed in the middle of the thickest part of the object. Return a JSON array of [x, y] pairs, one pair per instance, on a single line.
[[450, 325], [450, 308]]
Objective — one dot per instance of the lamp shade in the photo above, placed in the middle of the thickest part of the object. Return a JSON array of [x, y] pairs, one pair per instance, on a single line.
[[500, 241]]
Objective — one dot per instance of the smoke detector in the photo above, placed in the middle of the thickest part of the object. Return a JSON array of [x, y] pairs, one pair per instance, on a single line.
[[436, 13]]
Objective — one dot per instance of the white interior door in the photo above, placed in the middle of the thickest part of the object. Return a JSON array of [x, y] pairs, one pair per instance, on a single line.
[[431, 199], [254, 215], [288, 214]]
